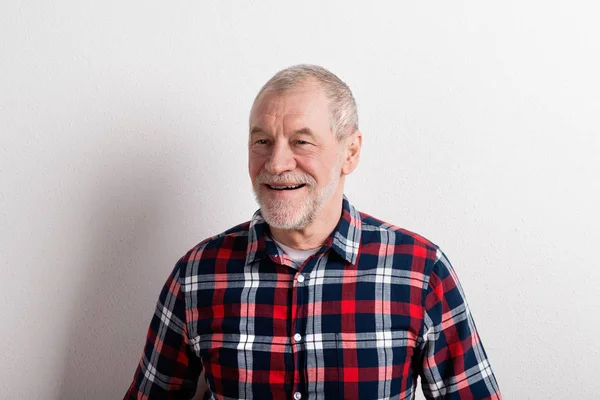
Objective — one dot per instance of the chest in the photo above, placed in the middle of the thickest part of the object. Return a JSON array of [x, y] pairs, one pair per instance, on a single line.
[[325, 328]]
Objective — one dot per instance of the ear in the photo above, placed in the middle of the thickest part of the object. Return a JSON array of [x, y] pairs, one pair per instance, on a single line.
[[352, 145]]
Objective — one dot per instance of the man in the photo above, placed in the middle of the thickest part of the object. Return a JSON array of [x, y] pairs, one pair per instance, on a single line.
[[311, 298]]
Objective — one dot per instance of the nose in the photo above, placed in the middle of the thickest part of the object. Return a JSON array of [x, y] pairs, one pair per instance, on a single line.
[[281, 159]]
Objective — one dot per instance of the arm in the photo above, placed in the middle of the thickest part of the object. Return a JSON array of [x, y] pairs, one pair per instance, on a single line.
[[454, 363], [168, 369]]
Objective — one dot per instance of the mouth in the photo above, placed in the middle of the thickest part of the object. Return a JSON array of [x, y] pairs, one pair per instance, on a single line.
[[285, 187]]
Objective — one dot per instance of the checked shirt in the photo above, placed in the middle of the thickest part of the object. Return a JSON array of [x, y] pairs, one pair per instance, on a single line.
[[375, 308]]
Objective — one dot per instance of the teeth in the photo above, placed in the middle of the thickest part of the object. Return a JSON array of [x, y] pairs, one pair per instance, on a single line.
[[284, 187]]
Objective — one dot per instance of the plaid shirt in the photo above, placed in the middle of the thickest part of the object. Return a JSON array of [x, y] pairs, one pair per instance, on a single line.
[[376, 307]]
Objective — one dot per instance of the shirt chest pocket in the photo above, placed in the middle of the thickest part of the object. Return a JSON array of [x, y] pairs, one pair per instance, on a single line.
[[374, 365]]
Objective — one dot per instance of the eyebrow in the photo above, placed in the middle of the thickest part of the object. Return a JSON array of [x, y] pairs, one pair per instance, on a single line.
[[303, 131], [256, 130]]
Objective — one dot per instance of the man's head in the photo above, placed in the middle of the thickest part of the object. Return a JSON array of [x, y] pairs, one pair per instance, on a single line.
[[304, 139]]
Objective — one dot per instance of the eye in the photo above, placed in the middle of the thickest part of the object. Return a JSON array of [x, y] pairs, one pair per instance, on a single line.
[[261, 141], [302, 142]]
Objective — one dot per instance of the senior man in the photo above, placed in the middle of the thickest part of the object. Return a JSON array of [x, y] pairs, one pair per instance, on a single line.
[[311, 299]]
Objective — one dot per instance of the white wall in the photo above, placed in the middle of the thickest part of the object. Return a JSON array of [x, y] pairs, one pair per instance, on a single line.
[[123, 131]]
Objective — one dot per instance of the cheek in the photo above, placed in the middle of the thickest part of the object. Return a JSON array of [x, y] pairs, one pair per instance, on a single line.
[[319, 167], [254, 166]]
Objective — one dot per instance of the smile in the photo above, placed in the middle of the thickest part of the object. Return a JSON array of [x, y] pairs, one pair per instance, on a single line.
[[273, 187]]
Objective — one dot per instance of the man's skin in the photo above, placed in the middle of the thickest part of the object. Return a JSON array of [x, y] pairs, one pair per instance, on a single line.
[[291, 140]]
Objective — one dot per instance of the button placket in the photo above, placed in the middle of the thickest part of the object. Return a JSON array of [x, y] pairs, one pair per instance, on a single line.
[[301, 288]]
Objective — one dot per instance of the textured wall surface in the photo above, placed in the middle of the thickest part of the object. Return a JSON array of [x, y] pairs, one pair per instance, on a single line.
[[123, 144]]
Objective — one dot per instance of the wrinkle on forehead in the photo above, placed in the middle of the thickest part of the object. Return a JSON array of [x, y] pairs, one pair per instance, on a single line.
[[308, 89], [273, 113], [279, 110], [298, 107]]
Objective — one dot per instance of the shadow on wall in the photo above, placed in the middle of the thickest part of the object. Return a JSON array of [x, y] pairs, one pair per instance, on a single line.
[[121, 276]]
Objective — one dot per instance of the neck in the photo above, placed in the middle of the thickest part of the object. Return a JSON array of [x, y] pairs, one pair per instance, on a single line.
[[318, 231]]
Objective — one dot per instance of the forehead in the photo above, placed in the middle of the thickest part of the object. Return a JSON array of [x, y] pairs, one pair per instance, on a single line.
[[306, 104]]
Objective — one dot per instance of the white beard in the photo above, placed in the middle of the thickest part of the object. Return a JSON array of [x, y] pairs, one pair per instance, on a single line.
[[282, 214]]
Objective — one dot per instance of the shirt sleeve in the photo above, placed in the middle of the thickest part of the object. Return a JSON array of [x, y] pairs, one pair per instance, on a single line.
[[454, 363], [169, 368]]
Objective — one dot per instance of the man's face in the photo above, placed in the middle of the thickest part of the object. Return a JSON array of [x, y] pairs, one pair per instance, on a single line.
[[294, 158]]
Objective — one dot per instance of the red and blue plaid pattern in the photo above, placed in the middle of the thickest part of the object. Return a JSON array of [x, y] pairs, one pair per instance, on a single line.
[[376, 307]]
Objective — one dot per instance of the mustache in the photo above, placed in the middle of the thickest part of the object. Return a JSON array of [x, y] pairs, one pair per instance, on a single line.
[[296, 178]]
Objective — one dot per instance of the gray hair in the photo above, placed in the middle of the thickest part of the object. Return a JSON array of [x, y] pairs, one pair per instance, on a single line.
[[343, 118]]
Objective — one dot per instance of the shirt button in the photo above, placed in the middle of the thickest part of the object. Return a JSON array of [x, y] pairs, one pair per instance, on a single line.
[[300, 279], [297, 395], [297, 337]]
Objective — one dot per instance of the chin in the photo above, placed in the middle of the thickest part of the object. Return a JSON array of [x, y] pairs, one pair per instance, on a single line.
[[286, 220], [291, 215]]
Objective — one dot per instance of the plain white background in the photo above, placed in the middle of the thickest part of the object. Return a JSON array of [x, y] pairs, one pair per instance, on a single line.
[[123, 136]]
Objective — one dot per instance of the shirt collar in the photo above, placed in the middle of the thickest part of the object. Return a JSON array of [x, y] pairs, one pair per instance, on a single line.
[[344, 240]]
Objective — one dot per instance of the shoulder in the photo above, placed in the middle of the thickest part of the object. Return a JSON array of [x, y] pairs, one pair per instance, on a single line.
[[230, 243], [409, 250], [375, 229]]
